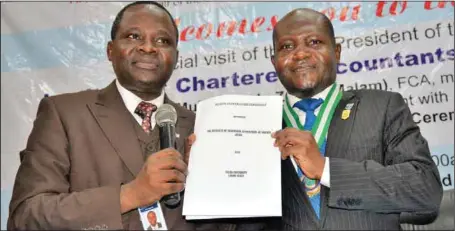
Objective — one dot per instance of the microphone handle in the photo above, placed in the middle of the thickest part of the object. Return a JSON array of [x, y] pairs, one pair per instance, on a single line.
[[167, 136], [167, 140]]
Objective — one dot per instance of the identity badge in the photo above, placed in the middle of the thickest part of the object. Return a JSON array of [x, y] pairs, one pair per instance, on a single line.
[[152, 217]]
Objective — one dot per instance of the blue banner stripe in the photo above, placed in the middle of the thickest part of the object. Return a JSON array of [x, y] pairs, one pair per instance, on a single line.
[[84, 45]]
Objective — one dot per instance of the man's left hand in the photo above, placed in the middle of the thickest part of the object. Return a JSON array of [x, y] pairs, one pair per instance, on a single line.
[[303, 147]]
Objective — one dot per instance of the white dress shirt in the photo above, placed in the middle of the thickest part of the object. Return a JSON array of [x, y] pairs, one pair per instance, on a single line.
[[325, 178], [131, 101]]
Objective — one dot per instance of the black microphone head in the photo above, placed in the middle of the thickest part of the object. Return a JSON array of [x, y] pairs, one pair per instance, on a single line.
[[166, 114]]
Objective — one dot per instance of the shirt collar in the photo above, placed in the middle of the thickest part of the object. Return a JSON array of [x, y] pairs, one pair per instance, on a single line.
[[131, 100], [323, 94]]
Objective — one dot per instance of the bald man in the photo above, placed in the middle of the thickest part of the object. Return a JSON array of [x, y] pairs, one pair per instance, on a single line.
[[351, 160]]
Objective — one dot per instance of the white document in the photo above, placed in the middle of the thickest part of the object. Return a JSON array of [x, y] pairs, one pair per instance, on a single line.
[[234, 170]]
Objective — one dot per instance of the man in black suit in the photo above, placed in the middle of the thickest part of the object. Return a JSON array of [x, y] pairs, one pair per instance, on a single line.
[[351, 160]]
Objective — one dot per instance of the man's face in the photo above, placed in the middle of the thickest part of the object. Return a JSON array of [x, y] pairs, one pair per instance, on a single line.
[[151, 216], [305, 56], [144, 51]]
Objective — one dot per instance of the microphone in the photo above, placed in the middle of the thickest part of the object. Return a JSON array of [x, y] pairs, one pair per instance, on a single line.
[[166, 117]]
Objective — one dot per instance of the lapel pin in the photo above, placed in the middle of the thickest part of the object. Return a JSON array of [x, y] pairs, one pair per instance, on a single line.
[[347, 111]]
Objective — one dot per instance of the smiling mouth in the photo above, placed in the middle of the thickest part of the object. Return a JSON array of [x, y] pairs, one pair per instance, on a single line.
[[146, 65], [303, 68]]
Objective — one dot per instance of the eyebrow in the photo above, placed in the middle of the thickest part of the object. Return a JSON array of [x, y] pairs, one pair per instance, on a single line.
[[161, 31], [135, 28], [284, 38]]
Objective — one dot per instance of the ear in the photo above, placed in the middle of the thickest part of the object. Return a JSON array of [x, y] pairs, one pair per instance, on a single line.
[[109, 50], [176, 57], [272, 59], [338, 52]]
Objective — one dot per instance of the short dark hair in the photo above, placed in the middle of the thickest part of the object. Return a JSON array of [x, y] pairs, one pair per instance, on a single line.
[[119, 17]]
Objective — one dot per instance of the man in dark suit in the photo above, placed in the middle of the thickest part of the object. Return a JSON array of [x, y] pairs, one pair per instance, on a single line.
[[372, 169], [93, 157]]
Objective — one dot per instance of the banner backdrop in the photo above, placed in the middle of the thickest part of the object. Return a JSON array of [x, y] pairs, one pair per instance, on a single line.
[[225, 48]]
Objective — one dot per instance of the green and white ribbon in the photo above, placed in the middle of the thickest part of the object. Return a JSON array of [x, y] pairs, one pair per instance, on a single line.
[[325, 114]]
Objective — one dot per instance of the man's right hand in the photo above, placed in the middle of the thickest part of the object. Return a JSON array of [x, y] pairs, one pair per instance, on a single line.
[[163, 173]]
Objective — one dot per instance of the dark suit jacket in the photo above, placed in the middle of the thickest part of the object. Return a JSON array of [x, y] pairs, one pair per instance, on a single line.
[[381, 171], [83, 146]]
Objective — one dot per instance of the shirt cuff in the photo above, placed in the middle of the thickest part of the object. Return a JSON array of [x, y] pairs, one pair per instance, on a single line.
[[325, 178]]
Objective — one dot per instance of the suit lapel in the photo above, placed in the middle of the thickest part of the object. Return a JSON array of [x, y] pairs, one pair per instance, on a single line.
[[340, 129], [338, 138], [116, 122]]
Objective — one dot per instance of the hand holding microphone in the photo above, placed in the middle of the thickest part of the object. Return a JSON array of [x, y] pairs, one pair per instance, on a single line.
[[163, 174], [166, 117]]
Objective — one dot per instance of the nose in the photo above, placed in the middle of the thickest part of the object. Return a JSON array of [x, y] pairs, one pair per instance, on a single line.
[[147, 47], [301, 53]]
